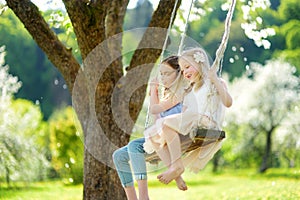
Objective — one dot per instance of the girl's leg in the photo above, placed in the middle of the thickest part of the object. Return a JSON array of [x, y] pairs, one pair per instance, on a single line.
[[137, 157], [130, 193], [176, 168], [164, 155], [121, 161], [143, 189]]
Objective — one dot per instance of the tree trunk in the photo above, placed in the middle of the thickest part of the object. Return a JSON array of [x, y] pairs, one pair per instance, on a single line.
[[290, 161], [216, 161], [7, 177], [97, 88], [266, 158]]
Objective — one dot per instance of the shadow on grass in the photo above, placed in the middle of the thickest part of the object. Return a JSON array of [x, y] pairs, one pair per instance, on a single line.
[[197, 183], [156, 183], [283, 173]]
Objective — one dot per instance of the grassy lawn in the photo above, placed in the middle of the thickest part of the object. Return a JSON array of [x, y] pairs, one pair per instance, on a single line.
[[283, 184], [233, 185], [42, 191]]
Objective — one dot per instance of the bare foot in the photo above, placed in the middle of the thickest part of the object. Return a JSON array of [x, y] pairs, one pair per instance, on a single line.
[[180, 183], [170, 174]]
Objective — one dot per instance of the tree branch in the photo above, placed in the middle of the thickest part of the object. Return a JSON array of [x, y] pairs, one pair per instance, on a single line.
[[88, 20], [55, 50], [153, 37], [114, 23], [115, 17], [160, 19]]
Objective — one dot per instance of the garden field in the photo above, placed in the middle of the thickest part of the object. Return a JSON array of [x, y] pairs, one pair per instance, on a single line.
[[276, 184]]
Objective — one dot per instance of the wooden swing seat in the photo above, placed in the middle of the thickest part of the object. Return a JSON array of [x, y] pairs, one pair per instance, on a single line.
[[202, 138]]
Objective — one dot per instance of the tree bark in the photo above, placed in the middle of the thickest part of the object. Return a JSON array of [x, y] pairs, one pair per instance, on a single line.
[[96, 24], [88, 21]]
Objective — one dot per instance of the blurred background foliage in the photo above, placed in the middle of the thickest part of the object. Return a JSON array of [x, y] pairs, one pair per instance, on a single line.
[[39, 137], [66, 145]]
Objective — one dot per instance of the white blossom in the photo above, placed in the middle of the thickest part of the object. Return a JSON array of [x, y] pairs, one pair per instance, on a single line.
[[8, 84], [199, 57], [264, 99], [250, 26]]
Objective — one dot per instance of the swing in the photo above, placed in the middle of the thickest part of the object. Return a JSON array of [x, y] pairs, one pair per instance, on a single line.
[[202, 136]]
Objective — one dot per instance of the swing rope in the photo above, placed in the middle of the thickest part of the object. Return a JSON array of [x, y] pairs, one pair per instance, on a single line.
[[162, 53], [220, 51], [217, 64], [168, 31], [185, 29]]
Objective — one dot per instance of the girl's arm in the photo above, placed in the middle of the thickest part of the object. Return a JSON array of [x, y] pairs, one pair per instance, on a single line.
[[157, 106], [221, 88], [163, 106], [154, 98]]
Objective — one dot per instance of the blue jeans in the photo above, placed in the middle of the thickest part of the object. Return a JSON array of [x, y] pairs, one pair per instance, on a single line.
[[134, 153]]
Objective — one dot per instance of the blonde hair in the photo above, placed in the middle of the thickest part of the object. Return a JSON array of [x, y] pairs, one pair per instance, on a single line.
[[198, 58]]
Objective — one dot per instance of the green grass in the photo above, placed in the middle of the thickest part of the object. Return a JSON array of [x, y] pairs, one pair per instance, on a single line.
[[42, 191], [276, 184], [233, 185]]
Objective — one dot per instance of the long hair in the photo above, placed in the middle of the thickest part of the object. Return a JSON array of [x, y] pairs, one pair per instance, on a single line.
[[198, 58], [176, 89]]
